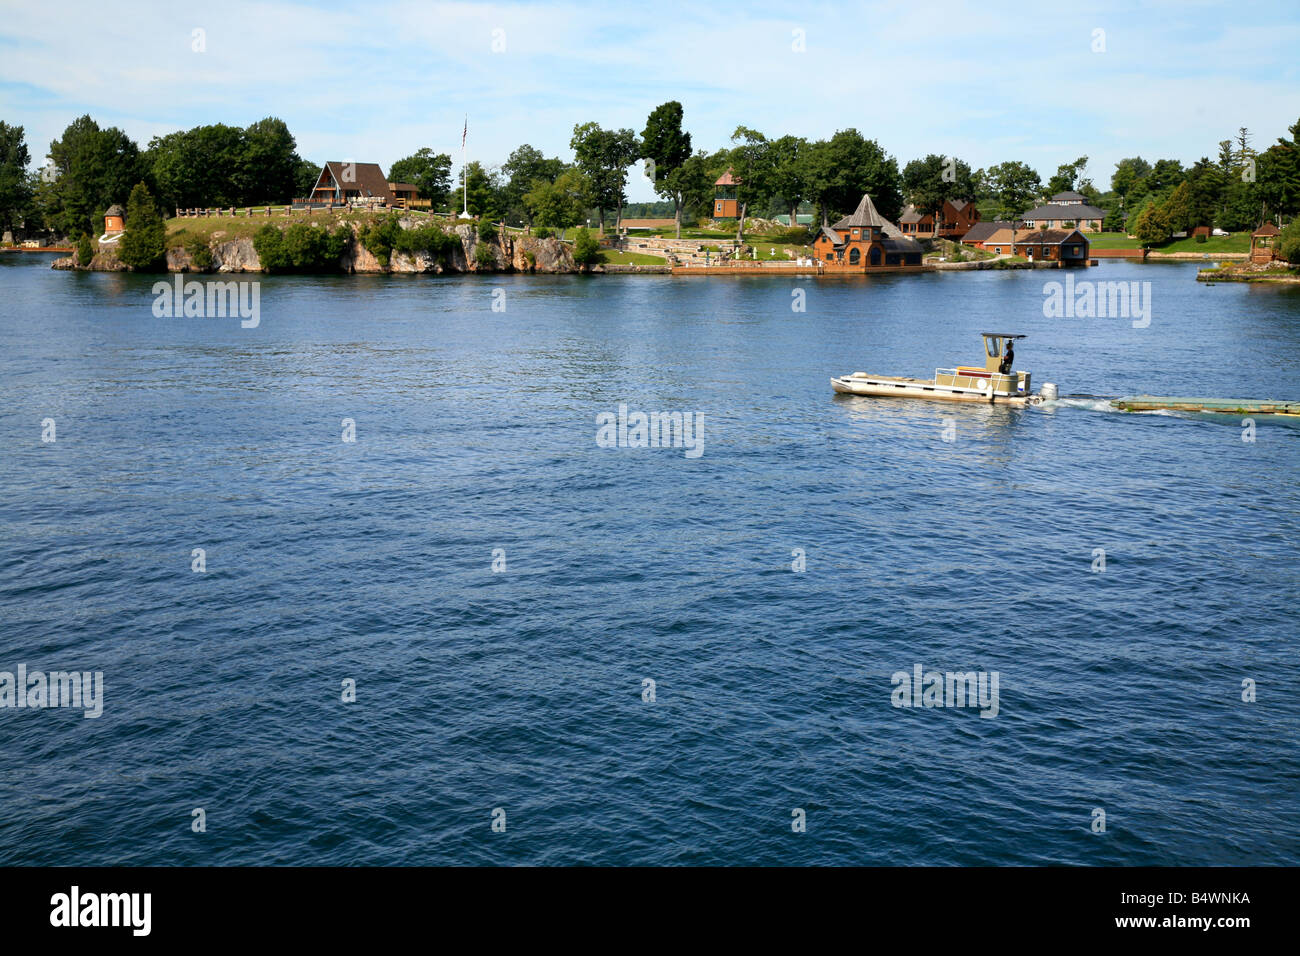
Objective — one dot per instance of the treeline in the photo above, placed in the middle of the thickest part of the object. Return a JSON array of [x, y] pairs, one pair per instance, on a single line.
[[91, 168]]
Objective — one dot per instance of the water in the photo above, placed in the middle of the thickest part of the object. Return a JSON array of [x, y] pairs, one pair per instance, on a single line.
[[475, 430]]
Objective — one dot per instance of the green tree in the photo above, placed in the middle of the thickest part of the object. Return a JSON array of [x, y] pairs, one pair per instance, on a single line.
[[668, 147], [1288, 244], [85, 250], [841, 169], [586, 249], [268, 165], [1150, 228], [1068, 177], [484, 190], [15, 183], [786, 172], [1128, 180], [1015, 187], [144, 244], [558, 204], [752, 167], [92, 169], [429, 172], [604, 155], [1176, 212], [522, 169], [930, 182]]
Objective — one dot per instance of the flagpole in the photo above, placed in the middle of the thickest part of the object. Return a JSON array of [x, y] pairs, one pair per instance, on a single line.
[[464, 168]]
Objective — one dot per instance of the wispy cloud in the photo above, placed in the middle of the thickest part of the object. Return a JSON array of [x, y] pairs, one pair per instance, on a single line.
[[984, 81]]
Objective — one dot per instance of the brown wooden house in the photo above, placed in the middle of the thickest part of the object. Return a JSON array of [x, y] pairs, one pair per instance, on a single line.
[[865, 241], [994, 235], [959, 215], [340, 183], [1066, 246]]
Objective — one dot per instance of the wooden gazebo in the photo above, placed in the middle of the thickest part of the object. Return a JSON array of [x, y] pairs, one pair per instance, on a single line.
[[1261, 242]]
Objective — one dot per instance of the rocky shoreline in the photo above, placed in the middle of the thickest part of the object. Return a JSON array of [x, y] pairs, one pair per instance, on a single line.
[[510, 253]]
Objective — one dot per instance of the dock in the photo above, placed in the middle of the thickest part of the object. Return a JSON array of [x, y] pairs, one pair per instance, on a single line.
[[1220, 406]]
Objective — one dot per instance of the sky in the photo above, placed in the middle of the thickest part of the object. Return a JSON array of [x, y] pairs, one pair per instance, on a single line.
[[374, 81]]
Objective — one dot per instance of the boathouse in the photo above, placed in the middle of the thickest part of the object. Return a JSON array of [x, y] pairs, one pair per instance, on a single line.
[[996, 235], [1069, 247], [864, 241]]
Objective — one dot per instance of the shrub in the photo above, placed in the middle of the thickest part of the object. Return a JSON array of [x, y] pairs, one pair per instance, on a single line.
[[541, 232], [85, 251], [798, 235], [1201, 237], [487, 231], [428, 239], [484, 256], [379, 238], [586, 250], [200, 254], [144, 244], [1288, 244], [300, 248], [532, 260]]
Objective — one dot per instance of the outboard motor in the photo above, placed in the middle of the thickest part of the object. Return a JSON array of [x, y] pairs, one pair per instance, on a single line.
[[1047, 392]]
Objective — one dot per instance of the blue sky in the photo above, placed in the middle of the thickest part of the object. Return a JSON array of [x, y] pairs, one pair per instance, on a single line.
[[374, 81]]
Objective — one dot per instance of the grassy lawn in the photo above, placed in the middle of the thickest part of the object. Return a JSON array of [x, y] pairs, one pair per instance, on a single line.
[[1237, 242], [207, 228]]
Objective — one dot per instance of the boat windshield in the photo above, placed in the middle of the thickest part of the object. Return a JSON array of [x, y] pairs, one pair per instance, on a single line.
[[991, 346]]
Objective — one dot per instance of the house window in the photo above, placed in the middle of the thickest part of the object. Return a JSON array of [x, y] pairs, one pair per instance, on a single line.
[[855, 255], [1074, 250], [875, 255], [857, 232]]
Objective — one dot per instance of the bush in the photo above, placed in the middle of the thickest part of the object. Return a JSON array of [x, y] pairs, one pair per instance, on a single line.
[[144, 244], [1288, 244], [428, 239], [487, 231], [1201, 237], [484, 256], [200, 254], [379, 238], [586, 250], [300, 248], [85, 251], [541, 232]]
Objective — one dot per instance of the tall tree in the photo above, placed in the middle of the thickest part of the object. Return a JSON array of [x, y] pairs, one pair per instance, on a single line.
[[787, 172], [269, 161], [92, 169], [484, 190], [930, 182], [524, 168], [668, 146], [1069, 176], [558, 204], [1015, 186], [604, 155], [751, 167], [428, 171], [15, 182], [145, 242], [841, 169]]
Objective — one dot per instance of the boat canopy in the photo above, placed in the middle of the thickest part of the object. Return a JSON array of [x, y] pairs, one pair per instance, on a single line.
[[1001, 335]]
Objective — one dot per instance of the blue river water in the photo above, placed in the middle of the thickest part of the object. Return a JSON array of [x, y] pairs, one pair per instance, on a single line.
[[957, 538]]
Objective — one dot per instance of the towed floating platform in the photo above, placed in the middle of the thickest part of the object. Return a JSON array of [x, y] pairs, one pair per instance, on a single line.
[[1221, 406]]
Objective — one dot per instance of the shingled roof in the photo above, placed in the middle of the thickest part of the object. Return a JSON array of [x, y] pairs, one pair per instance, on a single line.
[[1047, 237], [983, 230], [1268, 229], [366, 178], [1075, 211], [911, 215], [1069, 196], [864, 215]]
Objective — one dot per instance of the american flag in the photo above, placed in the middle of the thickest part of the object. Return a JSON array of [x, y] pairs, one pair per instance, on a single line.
[[464, 133]]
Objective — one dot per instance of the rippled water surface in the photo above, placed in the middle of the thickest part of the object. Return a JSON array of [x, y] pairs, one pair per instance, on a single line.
[[523, 690]]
